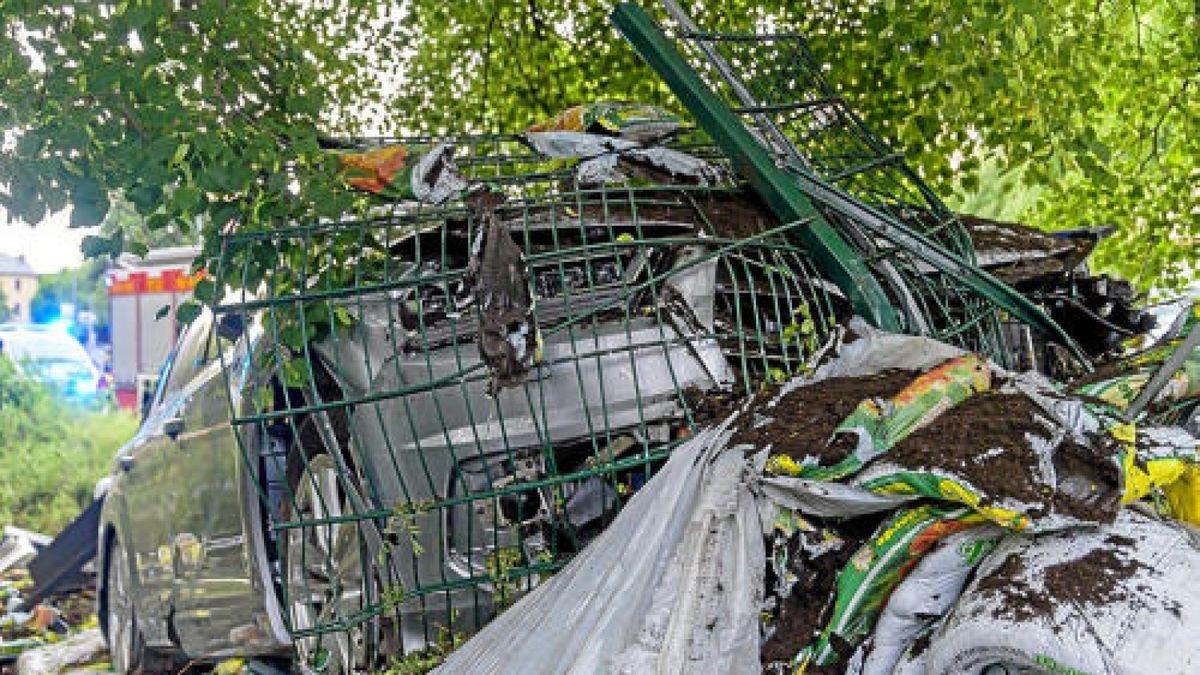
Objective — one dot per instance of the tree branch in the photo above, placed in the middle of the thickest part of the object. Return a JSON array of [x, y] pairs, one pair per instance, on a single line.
[[1157, 130]]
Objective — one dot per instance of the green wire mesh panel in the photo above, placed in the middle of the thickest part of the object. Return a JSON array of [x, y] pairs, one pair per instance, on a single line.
[[916, 247], [405, 506]]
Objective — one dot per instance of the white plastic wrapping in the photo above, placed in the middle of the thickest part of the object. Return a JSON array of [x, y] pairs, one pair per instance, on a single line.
[[1145, 625], [672, 586]]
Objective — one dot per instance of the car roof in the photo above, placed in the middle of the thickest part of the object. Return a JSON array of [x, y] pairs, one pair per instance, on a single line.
[[17, 338]]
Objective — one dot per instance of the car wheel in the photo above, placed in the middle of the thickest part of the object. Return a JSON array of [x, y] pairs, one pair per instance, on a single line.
[[126, 646], [120, 612], [327, 575]]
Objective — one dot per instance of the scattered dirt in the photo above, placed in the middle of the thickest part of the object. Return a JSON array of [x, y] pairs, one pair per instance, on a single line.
[[805, 419], [1092, 580], [983, 440], [993, 235], [714, 405], [1120, 540], [921, 643], [1106, 371], [804, 613], [1018, 600], [734, 215]]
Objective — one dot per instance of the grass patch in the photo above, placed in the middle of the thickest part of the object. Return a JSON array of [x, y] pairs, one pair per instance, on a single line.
[[52, 452]]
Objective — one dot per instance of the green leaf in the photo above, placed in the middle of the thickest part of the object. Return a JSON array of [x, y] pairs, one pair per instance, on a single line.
[[185, 198], [93, 246], [89, 203], [146, 198], [162, 312], [180, 154], [205, 290], [187, 311]]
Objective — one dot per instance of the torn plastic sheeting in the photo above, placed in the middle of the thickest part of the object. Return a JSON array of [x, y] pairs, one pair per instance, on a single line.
[[79, 650], [19, 547], [576, 144], [400, 172], [605, 159], [876, 350], [704, 616], [827, 500], [1119, 599], [674, 581]]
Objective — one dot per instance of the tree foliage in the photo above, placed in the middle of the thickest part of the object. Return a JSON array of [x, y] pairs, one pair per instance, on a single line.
[[214, 109]]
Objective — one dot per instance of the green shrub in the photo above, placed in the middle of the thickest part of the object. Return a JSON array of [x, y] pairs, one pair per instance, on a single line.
[[52, 452]]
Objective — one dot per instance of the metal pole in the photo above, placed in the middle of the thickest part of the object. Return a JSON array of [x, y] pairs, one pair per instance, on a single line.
[[1163, 375], [830, 251]]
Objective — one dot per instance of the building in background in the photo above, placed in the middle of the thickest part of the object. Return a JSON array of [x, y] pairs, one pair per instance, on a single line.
[[18, 284], [138, 288]]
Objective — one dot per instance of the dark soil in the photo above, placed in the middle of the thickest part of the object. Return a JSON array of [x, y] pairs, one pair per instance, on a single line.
[[988, 234], [805, 419], [1018, 600], [727, 214], [1105, 371], [962, 442], [712, 406], [1092, 580], [805, 612]]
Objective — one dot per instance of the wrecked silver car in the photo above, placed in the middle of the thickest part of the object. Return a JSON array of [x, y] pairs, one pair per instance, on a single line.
[[423, 412]]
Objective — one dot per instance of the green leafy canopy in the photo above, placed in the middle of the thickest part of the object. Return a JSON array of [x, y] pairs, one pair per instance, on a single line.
[[200, 113]]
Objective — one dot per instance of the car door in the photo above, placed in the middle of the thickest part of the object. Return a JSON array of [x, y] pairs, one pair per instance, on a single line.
[[152, 482], [217, 604]]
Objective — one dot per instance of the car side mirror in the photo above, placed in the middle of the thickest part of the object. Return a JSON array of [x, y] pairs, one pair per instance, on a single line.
[[231, 326]]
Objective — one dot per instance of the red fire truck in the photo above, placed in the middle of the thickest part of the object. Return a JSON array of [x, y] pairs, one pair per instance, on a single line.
[[138, 288]]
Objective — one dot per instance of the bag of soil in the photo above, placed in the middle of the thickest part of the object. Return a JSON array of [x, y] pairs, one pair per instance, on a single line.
[[874, 571], [631, 121], [400, 172], [1009, 459], [925, 595], [1119, 599], [1019, 456], [878, 423]]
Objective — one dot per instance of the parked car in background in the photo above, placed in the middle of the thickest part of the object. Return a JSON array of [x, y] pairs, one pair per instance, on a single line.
[[47, 354]]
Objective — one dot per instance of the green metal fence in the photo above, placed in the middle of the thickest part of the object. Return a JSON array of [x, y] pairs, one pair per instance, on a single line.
[[410, 493], [767, 105], [405, 506]]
